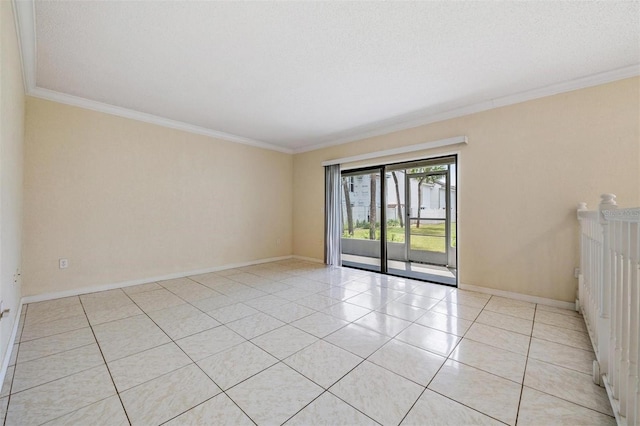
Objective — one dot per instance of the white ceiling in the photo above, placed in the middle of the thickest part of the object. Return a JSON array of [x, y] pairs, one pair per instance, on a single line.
[[298, 75]]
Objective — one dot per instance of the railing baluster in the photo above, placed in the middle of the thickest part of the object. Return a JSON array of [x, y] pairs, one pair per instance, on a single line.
[[607, 297], [623, 246], [614, 378]]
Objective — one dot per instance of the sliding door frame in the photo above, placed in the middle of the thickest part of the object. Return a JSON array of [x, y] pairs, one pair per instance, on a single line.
[[383, 210], [401, 165], [409, 218]]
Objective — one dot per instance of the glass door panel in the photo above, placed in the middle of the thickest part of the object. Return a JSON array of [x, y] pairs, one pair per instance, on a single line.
[[361, 217], [396, 216], [453, 214], [427, 231]]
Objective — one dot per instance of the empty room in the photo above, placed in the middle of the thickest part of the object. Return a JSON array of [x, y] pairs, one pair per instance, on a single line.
[[319, 213]]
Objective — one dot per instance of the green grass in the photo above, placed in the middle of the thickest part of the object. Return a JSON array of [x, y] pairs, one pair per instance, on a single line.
[[427, 237]]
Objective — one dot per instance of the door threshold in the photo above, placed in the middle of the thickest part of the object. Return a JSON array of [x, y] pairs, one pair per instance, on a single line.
[[418, 276]]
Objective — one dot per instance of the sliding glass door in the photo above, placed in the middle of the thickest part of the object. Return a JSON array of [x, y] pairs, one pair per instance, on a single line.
[[414, 235]]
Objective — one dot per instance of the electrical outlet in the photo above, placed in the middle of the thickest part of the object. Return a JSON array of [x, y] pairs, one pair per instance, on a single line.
[[64, 263], [576, 273], [278, 242]]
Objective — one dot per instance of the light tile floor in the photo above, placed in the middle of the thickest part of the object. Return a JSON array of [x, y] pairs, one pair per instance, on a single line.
[[299, 343]]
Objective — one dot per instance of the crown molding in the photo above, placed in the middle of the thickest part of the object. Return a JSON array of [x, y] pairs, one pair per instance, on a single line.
[[24, 18], [63, 98], [24, 15], [409, 122]]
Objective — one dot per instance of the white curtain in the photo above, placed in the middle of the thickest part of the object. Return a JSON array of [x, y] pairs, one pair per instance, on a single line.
[[332, 215]]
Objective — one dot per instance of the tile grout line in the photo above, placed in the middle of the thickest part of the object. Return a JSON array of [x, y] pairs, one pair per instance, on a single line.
[[69, 375], [386, 343], [171, 340], [449, 357], [59, 378], [550, 363], [558, 343], [360, 363], [394, 338], [193, 363], [327, 390], [281, 361], [204, 402], [105, 362], [59, 319], [564, 399], [560, 366], [6, 414], [440, 368], [324, 390], [57, 353], [524, 373]]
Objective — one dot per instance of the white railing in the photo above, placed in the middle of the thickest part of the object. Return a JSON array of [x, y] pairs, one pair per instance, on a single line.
[[608, 298]]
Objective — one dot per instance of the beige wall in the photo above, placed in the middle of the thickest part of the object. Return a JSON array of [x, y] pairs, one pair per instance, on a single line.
[[520, 177], [125, 200], [11, 154]]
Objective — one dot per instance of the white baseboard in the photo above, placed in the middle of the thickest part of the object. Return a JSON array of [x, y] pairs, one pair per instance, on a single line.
[[308, 259], [104, 287], [12, 341], [519, 296]]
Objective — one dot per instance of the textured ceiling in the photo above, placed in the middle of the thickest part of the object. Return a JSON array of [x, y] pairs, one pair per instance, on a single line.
[[299, 74]]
